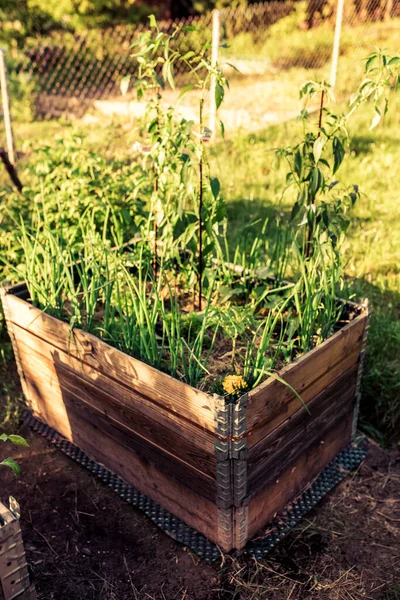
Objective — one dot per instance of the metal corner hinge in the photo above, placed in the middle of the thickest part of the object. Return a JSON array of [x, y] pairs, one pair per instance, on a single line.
[[230, 451]]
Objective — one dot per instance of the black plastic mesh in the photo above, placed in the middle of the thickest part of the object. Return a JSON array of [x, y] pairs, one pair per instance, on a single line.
[[276, 530]]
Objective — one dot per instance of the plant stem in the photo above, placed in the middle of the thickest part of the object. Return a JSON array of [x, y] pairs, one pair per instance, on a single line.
[[201, 205], [155, 228], [321, 108]]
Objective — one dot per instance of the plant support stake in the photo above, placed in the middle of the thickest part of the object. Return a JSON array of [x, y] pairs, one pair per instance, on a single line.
[[201, 203], [214, 61], [321, 108], [336, 42], [6, 107]]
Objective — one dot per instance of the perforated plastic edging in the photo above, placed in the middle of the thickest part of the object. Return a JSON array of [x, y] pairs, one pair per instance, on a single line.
[[276, 530]]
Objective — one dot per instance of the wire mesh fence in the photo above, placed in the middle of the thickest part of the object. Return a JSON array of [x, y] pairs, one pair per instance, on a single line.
[[265, 41]]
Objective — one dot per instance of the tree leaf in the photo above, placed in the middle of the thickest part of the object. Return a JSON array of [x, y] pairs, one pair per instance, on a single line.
[[297, 163], [370, 62], [186, 89], [295, 211], [219, 94], [376, 118], [394, 61], [215, 186], [338, 153], [318, 147], [9, 462]]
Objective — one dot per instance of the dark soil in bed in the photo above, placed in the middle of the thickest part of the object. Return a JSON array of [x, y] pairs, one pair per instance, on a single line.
[[83, 542]]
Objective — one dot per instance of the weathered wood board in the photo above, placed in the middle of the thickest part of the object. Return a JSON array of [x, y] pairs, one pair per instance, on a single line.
[[14, 576], [225, 469]]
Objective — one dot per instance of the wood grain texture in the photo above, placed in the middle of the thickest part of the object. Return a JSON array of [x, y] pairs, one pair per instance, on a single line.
[[271, 403], [268, 459], [173, 395], [54, 407], [158, 434], [274, 497], [47, 379], [149, 420]]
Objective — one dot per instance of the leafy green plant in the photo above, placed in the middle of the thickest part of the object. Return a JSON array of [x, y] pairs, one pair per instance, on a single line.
[[141, 296], [17, 440]]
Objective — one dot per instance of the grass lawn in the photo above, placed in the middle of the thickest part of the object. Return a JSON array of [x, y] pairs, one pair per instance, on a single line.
[[253, 186]]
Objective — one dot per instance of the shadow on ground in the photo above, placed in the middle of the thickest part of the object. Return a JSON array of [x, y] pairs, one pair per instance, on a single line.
[[83, 542]]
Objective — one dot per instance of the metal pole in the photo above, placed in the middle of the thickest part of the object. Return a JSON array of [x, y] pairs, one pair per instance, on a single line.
[[6, 107], [216, 19], [336, 42]]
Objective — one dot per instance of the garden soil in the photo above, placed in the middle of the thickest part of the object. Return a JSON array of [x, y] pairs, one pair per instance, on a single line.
[[83, 542]]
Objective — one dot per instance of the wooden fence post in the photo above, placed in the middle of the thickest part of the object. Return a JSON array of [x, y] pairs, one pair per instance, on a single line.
[[336, 42], [6, 107], [216, 18]]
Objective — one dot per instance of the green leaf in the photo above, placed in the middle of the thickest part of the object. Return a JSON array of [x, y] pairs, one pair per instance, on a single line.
[[370, 62], [153, 22], [9, 462], [222, 129], [376, 118], [186, 89], [318, 147], [215, 186], [394, 61], [295, 211], [314, 181], [297, 163], [219, 94], [18, 440], [233, 67], [338, 153]]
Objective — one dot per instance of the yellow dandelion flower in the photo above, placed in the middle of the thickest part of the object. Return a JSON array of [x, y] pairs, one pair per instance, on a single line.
[[234, 383]]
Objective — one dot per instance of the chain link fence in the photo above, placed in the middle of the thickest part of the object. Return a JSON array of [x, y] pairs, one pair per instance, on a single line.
[[273, 42]]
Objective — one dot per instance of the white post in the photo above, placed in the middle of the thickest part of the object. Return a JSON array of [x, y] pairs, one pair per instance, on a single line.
[[336, 42], [6, 107], [214, 61]]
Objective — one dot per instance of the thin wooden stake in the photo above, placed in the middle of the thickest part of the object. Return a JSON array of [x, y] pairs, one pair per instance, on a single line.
[[336, 43], [6, 107], [216, 16], [10, 169], [155, 227], [321, 108], [201, 206]]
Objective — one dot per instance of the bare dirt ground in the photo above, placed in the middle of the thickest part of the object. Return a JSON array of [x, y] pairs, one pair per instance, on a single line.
[[250, 104], [83, 542]]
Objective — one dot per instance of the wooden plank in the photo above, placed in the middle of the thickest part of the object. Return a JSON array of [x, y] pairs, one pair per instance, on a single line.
[[46, 395], [275, 496], [43, 380], [172, 466], [275, 453], [173, 395], [14, 576], [195, 510], [293, 404], [177, 436], [272, 402]]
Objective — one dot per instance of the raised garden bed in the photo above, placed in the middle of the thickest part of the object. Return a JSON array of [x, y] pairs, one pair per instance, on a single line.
[[14, 576], [224, 467]]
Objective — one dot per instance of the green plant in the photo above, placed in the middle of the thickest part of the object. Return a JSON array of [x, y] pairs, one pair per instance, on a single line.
[[17, 440]]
